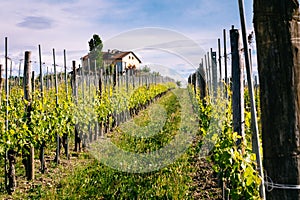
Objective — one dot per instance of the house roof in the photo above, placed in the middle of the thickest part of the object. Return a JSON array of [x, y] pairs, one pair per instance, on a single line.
[[114, 55]]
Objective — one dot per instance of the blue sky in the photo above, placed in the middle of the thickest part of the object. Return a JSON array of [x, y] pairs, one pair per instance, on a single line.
[[70, 24]]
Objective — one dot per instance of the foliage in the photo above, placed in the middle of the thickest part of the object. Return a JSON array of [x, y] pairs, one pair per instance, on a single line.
[[95, 43], [235, 164], [95, 55]]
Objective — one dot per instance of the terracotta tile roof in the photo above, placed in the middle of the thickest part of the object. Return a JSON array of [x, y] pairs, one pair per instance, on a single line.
[[112, 56]]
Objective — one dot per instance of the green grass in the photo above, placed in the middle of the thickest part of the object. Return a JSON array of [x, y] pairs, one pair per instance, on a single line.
[[98, 181]]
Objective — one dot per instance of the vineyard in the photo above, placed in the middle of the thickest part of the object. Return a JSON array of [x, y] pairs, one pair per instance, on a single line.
[[107, 128], [71, 112]]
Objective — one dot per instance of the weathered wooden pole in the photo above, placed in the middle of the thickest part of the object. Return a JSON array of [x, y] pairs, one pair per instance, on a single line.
[[43, 144], [74, 95], [41, 74], [225, 61], [56, 102], [65, 136], [237, 84], [115, 76], [220, 59], [7, 184], [96, 75], [74, 82], [10, 71], [47, 79], [201, 80], [19, 75], [82, 76], [127, 84], [29, 159], [207, 75], [276, 25], [89, 77], [214, 69], [66, 73], [1, 84], [32, 84]]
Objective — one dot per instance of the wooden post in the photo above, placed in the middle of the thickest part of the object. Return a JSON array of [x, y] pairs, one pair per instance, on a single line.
[[65, 136], [47, 79], [82, 79], [201, 80], [89, 77], [41, 74], [12, 182], [207, 74], [32, 84], [277, 31], [127, 86], [100, 84], [27, 71], [132, 78], [1, 85], [74, 95], [19, 75], [6, 118], [115, 74], [214, 69], [10, 72], [237, 84], [220, 58], [74, 82], [100, 95], [209, 64], [27, 95], [66, 74], [225, 63], [96, 75], [43, 144], [56, 101]]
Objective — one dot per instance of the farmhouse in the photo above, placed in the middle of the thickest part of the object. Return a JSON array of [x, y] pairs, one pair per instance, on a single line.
[[122, 60]]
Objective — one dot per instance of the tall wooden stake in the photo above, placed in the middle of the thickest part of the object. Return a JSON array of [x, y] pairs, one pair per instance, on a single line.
[[66, 74], [27, 95], [237, 85], [277, 36], [56, 101], [225, 63], [41, 74], [220, 59], [6, 114], [214, 69]]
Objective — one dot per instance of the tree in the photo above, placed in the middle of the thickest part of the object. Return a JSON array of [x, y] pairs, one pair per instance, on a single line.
[[95, 54], [95, 42], [276, 31], [146, 69]]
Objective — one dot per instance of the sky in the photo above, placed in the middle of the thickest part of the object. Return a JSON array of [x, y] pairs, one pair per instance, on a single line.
[[172, 34]]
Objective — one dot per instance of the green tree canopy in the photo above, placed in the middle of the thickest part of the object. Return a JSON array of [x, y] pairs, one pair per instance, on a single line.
[[95, 43], [95, 54]]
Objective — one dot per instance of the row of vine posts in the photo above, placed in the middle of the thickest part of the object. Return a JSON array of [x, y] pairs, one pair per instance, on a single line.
[[208, 79], [91, 83]]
